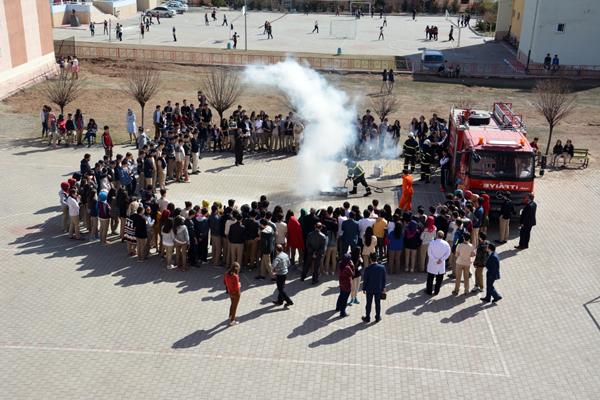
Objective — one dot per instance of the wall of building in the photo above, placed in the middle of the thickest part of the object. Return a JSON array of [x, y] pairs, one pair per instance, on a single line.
[[121, 8], [26, 45], [577, 45], [504, 19], [517, 15]]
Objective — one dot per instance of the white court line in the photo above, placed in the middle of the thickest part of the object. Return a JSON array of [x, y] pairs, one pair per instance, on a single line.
[[183, 353], [496, 344]]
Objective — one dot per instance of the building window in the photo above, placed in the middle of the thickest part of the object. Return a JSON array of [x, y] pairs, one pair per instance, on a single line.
[[464, 1], [560, 28]]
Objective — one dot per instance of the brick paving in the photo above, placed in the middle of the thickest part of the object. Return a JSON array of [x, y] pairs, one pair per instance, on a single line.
[[84, 321]]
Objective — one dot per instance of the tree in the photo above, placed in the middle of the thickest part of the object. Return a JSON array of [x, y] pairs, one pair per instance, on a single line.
[[554, 101], [384, 105], [63, 90], [142, 84], [222, 88]]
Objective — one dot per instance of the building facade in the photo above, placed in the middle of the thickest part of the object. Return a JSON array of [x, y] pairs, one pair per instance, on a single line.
[[26, 45], [567, 28]]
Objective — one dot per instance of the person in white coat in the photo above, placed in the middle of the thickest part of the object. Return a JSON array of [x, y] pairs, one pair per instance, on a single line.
[[438, 252], [131, 126]]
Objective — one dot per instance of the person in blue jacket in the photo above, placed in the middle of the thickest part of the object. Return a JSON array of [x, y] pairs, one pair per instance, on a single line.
[[493, 274]]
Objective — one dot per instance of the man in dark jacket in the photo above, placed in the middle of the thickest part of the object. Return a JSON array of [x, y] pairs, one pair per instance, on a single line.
[[507, 210], [527, 222], [350, 233], [373, 286], [201, 229], [193, 247], [493, 274], [409, 149], [266, 246], [316, 244], [251, 239]]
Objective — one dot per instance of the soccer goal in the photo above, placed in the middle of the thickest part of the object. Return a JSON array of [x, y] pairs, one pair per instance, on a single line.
[[343, 28]]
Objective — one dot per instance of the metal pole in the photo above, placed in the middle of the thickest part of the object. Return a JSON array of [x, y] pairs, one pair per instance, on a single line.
[[245, 25], [109, 29], [532, 35]]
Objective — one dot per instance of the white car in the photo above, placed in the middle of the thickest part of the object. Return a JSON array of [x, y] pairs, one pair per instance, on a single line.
[[176, 6], [163, 12]]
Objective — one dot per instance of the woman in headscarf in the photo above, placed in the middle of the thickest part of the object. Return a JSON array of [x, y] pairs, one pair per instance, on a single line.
[[295, 239], [427, 236], [131, 126], [411, 244], [346, 274]]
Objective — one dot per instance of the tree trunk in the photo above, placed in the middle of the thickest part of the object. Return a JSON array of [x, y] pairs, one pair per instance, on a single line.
[[220, 117], [549, 138], [62, 110], [142, 123]]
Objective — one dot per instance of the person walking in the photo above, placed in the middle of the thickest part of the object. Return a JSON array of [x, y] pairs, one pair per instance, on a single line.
[[316, 244], [464, 253], [390, 80], [316, 28], [380, 33], [345, 276], [493, 274], [527, 222], [451, 34], [174, 34], [234, 290], [438, 252], [374, 280], [384, 83], [281, 265]]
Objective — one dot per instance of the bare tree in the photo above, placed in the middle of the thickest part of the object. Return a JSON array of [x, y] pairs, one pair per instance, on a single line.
[[62, 90], [465, 103], [142, 84], [222, 88], [384, 105], [554, 102]]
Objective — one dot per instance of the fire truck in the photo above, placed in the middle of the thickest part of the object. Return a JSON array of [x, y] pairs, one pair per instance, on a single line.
[[490, 153]]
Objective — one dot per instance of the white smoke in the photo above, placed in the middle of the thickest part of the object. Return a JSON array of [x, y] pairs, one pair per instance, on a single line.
[[328, 116]]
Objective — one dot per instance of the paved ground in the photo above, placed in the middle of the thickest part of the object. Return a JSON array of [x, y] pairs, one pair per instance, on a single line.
[[83, 321], [292, 32]]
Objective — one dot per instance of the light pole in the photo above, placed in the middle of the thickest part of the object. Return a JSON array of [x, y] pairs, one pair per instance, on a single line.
[[532, 35], [245, 25]]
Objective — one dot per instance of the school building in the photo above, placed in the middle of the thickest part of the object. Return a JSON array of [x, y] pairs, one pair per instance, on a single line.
[[26, 45], [568, 28]]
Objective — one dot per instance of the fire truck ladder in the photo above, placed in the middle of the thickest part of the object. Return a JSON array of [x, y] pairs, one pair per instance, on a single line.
[[506, 118]]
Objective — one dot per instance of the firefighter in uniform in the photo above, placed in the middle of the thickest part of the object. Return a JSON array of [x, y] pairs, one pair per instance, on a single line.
[[356, 173], [410, 152], [426, 159]]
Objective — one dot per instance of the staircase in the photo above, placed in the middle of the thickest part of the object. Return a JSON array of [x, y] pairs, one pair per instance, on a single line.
[[98, 16]]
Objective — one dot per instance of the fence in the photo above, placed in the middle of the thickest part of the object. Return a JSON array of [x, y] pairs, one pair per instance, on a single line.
[[201, 56]]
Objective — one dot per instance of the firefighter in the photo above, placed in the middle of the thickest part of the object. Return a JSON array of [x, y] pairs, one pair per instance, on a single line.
[[356, 173], [407, 191], [426, 159], [410, 152]]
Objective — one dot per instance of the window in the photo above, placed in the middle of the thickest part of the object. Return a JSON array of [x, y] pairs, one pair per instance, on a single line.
[[560, 28], [502, 165], [464, 1]]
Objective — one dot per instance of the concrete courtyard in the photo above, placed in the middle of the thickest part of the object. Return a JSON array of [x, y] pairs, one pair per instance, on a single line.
[[84, 321], [292, 33]]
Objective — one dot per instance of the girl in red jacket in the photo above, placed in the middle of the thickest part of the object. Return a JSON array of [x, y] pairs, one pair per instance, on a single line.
[[233, 286], [295, 240]]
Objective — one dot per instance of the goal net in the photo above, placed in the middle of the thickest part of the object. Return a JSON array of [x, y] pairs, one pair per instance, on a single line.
[[343, 28]]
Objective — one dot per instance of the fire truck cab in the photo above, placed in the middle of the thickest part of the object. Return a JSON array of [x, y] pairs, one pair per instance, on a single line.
[[490, 153]]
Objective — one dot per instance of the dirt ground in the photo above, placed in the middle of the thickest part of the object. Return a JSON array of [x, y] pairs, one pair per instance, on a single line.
[[104, 100]]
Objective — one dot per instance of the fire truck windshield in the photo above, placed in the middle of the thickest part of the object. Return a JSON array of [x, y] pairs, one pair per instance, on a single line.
[[502, 165]]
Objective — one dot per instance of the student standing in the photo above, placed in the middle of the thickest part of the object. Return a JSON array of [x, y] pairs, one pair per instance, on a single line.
[[374, 280], [281, 265], [233, 287], [345, 273]]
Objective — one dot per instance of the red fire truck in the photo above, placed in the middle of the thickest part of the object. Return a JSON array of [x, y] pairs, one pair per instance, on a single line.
[[490, 152]]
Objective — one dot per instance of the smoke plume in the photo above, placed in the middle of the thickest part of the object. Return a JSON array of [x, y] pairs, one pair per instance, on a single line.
[[327, 114]]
